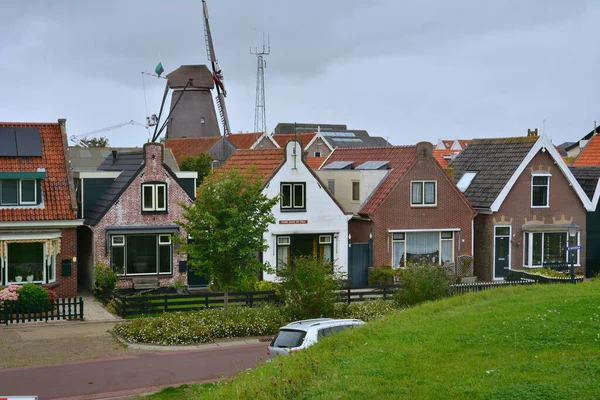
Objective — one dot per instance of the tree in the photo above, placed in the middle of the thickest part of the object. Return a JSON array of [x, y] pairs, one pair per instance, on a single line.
[[227, 222], [101, 141], [202, 164]]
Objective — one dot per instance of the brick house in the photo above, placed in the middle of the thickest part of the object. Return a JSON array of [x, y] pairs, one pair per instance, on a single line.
[[309, 221], [38, 211], [136, 200], [527, 202], [404, 206]]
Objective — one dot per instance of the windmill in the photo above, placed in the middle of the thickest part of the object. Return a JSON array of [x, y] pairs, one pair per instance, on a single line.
[[216, 73]]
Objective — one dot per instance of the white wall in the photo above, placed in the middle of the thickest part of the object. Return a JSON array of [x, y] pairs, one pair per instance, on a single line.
[[369, 180], [322, 214]]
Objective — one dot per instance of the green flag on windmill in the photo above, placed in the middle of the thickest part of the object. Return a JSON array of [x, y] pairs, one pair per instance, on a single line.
[[159, 69]]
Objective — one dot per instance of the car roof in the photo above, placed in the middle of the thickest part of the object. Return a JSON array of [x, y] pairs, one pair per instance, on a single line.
[[307, 323]]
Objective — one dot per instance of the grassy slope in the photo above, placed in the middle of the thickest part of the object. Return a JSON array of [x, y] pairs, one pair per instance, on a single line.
[[540, 342]]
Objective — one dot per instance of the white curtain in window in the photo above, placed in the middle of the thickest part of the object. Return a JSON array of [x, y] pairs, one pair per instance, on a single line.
[[429, 193], [423, 246], [446, 250], [417, 193], [397, 254]]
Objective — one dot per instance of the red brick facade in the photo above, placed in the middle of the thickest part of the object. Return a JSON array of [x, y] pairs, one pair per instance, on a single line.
[[396, 213], [126, 212], [66, 286], [564, 205]]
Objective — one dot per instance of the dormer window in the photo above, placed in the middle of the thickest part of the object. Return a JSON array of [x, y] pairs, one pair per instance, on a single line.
[[19, 192], [154, 197], [540, 190]]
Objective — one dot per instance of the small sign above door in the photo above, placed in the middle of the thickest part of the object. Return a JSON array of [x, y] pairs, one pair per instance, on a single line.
[[293, 221]]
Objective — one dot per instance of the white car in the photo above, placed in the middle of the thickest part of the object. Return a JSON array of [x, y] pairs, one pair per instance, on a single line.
[[299, 335]]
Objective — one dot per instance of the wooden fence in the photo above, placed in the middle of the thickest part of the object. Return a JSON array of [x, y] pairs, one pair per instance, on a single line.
[[128, 306], [18, 311], [350, 294]]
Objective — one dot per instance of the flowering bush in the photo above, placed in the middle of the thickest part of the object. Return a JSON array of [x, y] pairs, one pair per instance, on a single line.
[[204, 326], [10, 293]]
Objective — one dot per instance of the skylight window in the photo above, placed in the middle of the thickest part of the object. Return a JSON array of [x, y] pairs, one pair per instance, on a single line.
[[465, 181]]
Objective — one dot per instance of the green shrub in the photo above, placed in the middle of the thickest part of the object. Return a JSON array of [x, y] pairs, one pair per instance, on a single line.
[[105, 281], [308, 287], [205, 325], [422, 282], [366, 310], [263, 286], [382, 276], [30, 293]]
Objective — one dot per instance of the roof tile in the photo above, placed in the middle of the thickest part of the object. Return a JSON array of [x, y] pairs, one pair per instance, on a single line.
[[244, 141], [304, 138], [190, 147], [266, 161], [55, 188], [590, 155]]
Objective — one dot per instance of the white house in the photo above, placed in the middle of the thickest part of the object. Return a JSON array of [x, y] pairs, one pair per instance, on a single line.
[[308, 218]]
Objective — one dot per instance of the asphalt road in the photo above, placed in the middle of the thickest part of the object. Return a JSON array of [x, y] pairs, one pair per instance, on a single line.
[[95, 379]]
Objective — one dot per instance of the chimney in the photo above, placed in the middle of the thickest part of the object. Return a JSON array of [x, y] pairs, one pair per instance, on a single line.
[[450, 173], [114, 154], [532, 132], [424, 150]]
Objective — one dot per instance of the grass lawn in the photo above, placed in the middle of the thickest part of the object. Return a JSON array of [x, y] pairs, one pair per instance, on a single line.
[[534, 342]]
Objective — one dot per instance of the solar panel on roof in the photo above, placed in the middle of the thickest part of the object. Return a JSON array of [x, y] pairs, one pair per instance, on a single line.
[[8, 145], [373, 165], [29, 143], [339, 165]]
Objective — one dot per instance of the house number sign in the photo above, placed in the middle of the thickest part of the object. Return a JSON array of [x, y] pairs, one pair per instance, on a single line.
[[293, 221]]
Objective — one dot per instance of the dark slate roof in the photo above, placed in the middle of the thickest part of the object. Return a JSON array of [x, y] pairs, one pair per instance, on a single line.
[[587, 178], [358, 141], [130, 163], [495, 161], [90, 158]]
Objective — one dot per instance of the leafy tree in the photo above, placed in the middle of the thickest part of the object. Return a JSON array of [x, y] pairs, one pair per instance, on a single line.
[[227, 222], [309, 285], [201, 164], [101, 141]]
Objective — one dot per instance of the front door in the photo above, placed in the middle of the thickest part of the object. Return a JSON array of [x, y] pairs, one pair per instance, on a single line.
[[501, 252]]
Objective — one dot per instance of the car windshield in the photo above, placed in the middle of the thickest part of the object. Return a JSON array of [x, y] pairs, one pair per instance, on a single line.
[[288, 338]]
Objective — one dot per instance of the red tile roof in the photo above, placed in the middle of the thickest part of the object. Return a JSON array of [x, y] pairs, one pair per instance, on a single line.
[[442, 156], [244, 141], [400, 158], [305, 138], [590, 155], [190, 147], [315, 162], [266, 161], [55, 187]]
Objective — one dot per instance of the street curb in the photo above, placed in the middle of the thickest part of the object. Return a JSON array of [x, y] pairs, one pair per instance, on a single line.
[[36, 324], [212, 345]]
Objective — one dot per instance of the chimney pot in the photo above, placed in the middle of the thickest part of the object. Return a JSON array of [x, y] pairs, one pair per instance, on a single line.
[[450, 173]]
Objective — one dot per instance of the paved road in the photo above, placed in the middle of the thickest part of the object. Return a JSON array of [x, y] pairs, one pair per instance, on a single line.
[[104, 378]]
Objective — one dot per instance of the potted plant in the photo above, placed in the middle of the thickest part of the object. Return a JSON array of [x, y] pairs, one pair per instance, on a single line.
[[29, 273], [178, 283], [18, 274]]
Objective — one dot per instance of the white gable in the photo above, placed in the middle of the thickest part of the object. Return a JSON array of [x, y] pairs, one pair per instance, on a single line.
[[321, 215]]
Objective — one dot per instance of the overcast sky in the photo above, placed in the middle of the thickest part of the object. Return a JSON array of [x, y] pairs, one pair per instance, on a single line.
[[406, 70]]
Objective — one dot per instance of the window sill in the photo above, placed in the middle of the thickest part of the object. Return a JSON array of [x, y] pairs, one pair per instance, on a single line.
[[155, 212], [291, 210], [540, 206], [423, 205]]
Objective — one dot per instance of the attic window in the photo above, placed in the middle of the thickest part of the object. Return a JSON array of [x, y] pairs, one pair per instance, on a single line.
[[154, 197], [465, 181]]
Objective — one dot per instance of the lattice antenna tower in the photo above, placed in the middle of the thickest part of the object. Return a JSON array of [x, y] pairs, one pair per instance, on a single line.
[[260, 109]]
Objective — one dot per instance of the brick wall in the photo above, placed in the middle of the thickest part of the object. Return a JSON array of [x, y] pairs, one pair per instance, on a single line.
[[517, 206], [67, 285], [127, 210], [318, 145], [396, 212]]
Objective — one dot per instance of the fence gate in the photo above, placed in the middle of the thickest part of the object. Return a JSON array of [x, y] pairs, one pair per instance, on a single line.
[[358, 263]]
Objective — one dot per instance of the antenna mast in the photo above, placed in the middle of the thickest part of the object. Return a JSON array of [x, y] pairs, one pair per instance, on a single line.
[[260, 111], [217, 74]]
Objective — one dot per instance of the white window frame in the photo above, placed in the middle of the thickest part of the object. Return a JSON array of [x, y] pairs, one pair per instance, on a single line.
[[160, 240], [21, 202], [115, 243], [46, 268], [535, 175], [422, 204], [154, 190], [528, 263], [283, 241], [317, 154], [451, 239], [325, 239], [293, 205], [408, 232], [159, 244]]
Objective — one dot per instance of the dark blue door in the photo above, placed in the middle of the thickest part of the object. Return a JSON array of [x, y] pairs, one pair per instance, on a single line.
[[358, 263]]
